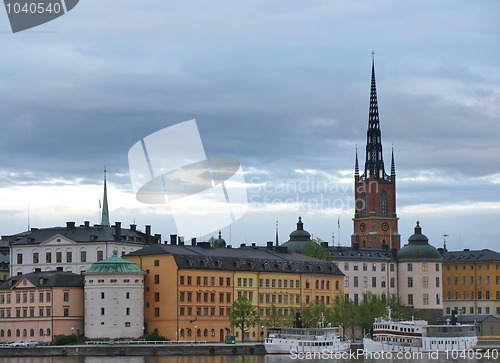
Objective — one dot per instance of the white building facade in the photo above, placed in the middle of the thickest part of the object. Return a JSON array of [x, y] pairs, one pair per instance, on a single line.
[[114, 299], [74, 248]]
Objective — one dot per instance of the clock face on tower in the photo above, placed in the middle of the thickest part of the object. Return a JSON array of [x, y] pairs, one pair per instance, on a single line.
[[362, 227], [385, 226]]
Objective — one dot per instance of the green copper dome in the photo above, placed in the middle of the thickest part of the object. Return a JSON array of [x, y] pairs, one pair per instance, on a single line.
[[298, 239], [114, 264], [418, 248]]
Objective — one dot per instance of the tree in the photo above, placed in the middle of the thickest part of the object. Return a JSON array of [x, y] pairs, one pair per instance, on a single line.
[[275, 319], [317, 250], [345, 314], [243, 315]]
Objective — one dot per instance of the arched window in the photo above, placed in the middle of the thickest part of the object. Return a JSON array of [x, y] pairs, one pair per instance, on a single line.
[[9, 333], [383, 203], [182, 333], [48, 332], [41, 332], [32, 332], [364, 207], [25, 333], [2, 333], [189, 332], [205, 333], [337, 285], [18, 333]]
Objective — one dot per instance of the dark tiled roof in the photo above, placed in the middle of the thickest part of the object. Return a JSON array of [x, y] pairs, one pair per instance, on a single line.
[[244, 259], [83, 233], [471, 256], [365, 254], [47, 279]]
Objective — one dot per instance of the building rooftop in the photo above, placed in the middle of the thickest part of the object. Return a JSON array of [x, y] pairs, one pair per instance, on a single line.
[[114, 265], [469, 256], [87, 233], [46, 279], [418, 248], [254, 258], [365, 254]]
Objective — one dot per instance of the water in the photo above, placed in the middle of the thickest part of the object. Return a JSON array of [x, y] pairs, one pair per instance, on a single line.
[[226, 359]]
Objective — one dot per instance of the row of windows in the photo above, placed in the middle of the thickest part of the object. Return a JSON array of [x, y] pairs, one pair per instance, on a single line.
[[471, 267], [28, 312], [8, 333], [43, 296], [365, 266], [425, 299], [365, 297], [127, 311], [470, 280], [280, 299], [59, 257], [425, 282], [206, 311], [425, 267], [479, 310], [284, 283], [471, 295], [189, 333], [188, 280], [383, 281], [200, 296]]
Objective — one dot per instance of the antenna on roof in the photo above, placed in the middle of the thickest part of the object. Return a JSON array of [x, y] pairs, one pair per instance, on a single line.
[[28, 216]]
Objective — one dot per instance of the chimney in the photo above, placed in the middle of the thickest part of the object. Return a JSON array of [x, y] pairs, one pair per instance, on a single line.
[[158, 238], [193, 241], [70, 225], [133, 227], [269, 245], [148, 233], [180, 240], [173, 239], [118, 231], [86, 224]]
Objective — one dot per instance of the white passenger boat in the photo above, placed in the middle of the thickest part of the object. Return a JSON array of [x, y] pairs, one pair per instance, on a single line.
[[298, 340], [391, 335]]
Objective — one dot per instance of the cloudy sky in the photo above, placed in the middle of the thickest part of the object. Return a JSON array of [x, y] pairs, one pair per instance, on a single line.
[[281, 86]]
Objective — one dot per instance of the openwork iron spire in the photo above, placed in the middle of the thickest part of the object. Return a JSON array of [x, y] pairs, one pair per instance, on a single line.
[[374, 164]]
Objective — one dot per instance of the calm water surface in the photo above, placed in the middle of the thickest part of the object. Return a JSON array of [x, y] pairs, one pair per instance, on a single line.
[[216, 359]]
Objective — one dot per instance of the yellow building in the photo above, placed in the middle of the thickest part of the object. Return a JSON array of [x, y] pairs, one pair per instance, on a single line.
[[189, 290], [41, 305], [471, 282]]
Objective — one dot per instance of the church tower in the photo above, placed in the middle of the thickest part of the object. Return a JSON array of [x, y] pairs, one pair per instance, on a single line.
[[375, 218]]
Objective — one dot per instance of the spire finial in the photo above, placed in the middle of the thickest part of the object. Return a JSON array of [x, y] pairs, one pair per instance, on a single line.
[[393, 165], [356, 164], [277, 242], [105, 211]]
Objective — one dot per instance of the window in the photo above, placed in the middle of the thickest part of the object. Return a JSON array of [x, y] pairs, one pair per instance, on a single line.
[[365, 266], [59, 257], [346, 281], [157, 279], [383, 204], [346, 266], [355, 266], [127, 295], [157, 296], [356, 281], [198, 280], [102, 295], [69, 256], [190, 280], [181, 296], [66, 296], [35, 257], [437, 267], [364, 206], [487, 295], [410, 299], [103, 311], [365, 281], [393, 282], [410, 281], [66, 311], [425, 299], [157, 312], [83, 256], [383, 282], [374, 281], [425, 267], [181, 280], [127, 311], [47, 296], [410, 267], [100, 255], [48, 257], [437, 282], [221, 281], [19, 258], [425, 282], [157, 263]]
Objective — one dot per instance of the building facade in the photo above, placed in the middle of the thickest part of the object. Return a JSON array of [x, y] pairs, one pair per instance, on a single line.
[[74, 248], [375, 218], [420, 276], [114, 299], [41, 305], [189, 290], [471, 282]]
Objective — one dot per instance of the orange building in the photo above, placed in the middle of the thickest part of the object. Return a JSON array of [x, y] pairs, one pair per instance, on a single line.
[[41, 305], [471, 282], [189, 290]]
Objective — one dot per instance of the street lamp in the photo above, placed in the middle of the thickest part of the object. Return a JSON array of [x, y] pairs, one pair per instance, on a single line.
[[195, 333], [262, 333]]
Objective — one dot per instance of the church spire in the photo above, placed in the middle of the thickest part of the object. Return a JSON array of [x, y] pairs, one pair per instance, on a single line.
[[105, 211], [374, 164], [393, 165], [356, 164]]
